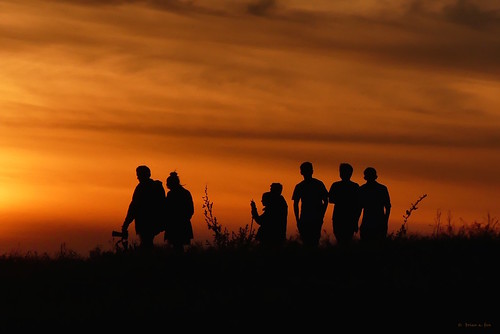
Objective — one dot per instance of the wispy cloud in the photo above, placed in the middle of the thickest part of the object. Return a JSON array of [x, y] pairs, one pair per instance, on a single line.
[[442, 136], [256, 70], [475, 14], [441, 34]]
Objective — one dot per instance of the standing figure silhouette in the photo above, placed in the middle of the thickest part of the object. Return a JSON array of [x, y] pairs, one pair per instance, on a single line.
[[276, 190], [313, 197], [146, 208], [179, 211], [272, 222], [344, 195], [376, 205]]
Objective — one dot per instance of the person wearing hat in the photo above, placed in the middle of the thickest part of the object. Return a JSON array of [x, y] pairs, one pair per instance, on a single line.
[[376, 207]]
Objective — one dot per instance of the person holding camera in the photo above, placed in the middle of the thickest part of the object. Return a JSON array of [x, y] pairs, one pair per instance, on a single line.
[[146, 208]]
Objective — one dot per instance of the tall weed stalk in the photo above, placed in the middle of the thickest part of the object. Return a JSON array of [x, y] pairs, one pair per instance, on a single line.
[[222, 238], [403, 230]]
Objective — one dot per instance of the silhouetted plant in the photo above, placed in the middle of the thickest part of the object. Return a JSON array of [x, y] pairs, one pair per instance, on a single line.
[[437, 224], [440, 231], [95, 252], [221, 236], [65, 253], [489, 229], [475, 230], [404, 227], [243, 238]]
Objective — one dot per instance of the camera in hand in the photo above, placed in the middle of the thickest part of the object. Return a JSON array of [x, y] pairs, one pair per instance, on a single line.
[[123, 235]]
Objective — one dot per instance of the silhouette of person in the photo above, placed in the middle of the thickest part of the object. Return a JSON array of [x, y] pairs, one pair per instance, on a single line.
[[376, 205], [276, 190], [146, 208], [344, 195], [179, 211], [272, 229], [313, 197]]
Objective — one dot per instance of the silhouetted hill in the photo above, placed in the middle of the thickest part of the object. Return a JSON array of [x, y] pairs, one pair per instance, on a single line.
[[404, 284]]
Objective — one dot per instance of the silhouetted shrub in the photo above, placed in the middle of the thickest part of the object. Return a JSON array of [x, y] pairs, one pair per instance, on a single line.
[[222, 238]]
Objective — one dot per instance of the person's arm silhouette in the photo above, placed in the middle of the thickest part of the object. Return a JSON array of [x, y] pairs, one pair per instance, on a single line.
[[131, 212], [387, 206], [190, 205], [296, 210], [325, 202], [324, 198], [261, 219], [332, 194], [254, 212]]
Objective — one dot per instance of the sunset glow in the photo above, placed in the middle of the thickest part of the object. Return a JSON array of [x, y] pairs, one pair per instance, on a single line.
[[235, 95]]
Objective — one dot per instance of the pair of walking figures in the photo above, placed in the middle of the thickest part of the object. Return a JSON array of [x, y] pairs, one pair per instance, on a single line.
[[154, 211]]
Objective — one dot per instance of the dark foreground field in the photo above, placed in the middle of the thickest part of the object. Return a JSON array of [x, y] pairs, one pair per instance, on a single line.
[[428, 285]]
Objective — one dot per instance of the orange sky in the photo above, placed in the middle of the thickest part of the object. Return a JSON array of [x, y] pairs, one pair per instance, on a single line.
[[235, 95]]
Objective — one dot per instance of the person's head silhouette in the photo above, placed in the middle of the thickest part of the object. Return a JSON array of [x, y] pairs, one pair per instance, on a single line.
[[345, 171], [266, 198], [276, 188], [370, 174], [306, 169], [173, 180], [143, 173]]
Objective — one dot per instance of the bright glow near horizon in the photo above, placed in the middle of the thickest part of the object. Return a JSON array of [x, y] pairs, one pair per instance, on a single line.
[[235, 95]]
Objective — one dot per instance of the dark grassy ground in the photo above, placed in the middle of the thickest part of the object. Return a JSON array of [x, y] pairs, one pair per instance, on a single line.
[[406, 284]]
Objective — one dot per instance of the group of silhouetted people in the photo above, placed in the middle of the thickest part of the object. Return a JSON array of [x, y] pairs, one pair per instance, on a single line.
[[155, 211], [310, 202]]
